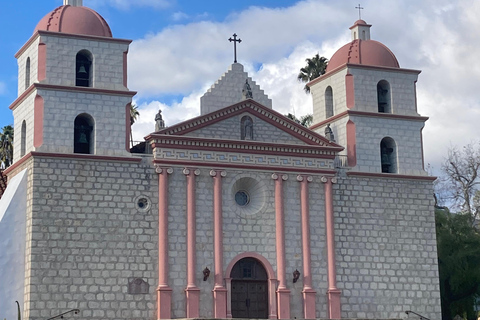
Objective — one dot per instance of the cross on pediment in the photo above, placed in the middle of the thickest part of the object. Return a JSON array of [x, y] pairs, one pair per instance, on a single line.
[[235, 40]]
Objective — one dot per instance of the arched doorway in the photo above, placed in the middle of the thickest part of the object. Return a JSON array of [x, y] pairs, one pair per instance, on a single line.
[[249, 289]]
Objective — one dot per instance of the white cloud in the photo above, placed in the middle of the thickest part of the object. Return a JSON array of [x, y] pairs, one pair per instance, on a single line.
[[127, 4], [437, 37], [178, 16]]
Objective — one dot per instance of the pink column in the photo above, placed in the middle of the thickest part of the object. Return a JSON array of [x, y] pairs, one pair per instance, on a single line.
[[309, 295], [334, 308], [192, 292], [219, 291], [283, 294], [164, 292]]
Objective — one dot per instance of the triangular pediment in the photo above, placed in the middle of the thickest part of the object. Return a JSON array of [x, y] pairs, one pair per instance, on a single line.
[[270, 126]]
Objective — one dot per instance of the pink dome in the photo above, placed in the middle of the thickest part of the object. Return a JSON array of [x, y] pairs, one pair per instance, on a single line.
[[75, 20], [366, 52]]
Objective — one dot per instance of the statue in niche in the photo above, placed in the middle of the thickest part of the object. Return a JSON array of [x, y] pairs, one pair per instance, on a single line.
[[329, 133], [247, 128], [247, 91], [159, 123]]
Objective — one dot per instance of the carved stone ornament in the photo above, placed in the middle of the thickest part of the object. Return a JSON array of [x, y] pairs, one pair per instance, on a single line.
[[334, 180], [223, 174], [309, 178], [170, 170], [158, 169], [274, 176], [186, 171], [284, 177], [197, 172], [138, 286], [213, 173], [300, 178], [324, 179]]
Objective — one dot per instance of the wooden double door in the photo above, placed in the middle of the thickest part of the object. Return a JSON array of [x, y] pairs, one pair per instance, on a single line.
[[249, 290]]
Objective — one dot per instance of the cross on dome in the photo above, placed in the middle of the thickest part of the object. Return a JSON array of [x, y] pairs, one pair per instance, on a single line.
[[73, 3]]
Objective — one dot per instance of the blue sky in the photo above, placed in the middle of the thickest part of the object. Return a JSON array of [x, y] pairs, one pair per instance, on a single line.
[[180, 49]]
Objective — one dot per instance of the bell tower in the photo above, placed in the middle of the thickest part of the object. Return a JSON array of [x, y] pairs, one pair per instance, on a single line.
[[370, 104], [72, 87]]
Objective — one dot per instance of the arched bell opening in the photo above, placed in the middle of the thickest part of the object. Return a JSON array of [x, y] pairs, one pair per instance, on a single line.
[[23, 139], [388, 155], [27, 73], [84, 139], [384, 97], [83, 69], [328, 102]]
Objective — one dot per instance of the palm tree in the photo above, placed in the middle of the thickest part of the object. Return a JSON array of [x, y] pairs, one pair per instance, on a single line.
[[305, 120], [315, 68], [134, 114], [6, 145]]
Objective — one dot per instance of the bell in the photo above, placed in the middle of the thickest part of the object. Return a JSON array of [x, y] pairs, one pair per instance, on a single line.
[[82, 69], [82, 138]]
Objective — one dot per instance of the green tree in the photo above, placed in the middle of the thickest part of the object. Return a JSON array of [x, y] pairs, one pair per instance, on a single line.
[[458, 245], [305, 120], [6, 145], [134, 114], [315, 67]]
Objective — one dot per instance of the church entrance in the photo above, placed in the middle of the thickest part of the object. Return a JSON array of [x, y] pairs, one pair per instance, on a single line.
[[249, 290]]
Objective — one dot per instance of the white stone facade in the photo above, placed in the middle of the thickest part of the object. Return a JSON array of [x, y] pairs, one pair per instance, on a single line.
[[228, 90]]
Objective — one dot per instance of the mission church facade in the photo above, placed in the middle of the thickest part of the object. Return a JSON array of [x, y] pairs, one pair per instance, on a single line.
[[237, 213]]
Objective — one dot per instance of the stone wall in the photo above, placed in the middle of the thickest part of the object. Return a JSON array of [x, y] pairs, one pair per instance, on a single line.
[[32, 53], [107, 62], [386, 248], [228, 90], [89, 239], [23, 112]]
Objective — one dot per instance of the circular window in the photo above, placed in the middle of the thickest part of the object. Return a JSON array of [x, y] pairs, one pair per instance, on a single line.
[[247, 196], [242, 198], [143, 203]]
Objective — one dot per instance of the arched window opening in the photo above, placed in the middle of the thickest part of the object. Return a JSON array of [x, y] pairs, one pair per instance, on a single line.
[[388, 155], [23, 139], [84, 134], [246, 130], [328, 102], [27, 73], [83, 69], [383, 96], [249, 290]]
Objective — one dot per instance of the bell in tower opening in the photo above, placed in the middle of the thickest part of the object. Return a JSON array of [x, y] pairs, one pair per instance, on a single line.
[[83, 135]]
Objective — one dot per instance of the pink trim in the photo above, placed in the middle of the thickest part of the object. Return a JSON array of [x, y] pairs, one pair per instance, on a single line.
[[239, 147], [390, 176], [164, 292], [128, 127], [272, 282], [350, 90], [329, 120], [270, 116], [38, 110], [309, 308], [67, 35], [353, 65], [219, 291], [351, 144], [415, 93], [283, 294], [192, 292], [226, 165], [68, 89], [125, 69], [42, 62], [17, 163], [333, 304]]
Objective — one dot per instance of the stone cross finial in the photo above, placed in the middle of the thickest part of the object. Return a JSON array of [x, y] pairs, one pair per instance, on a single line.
[[73, 3]]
